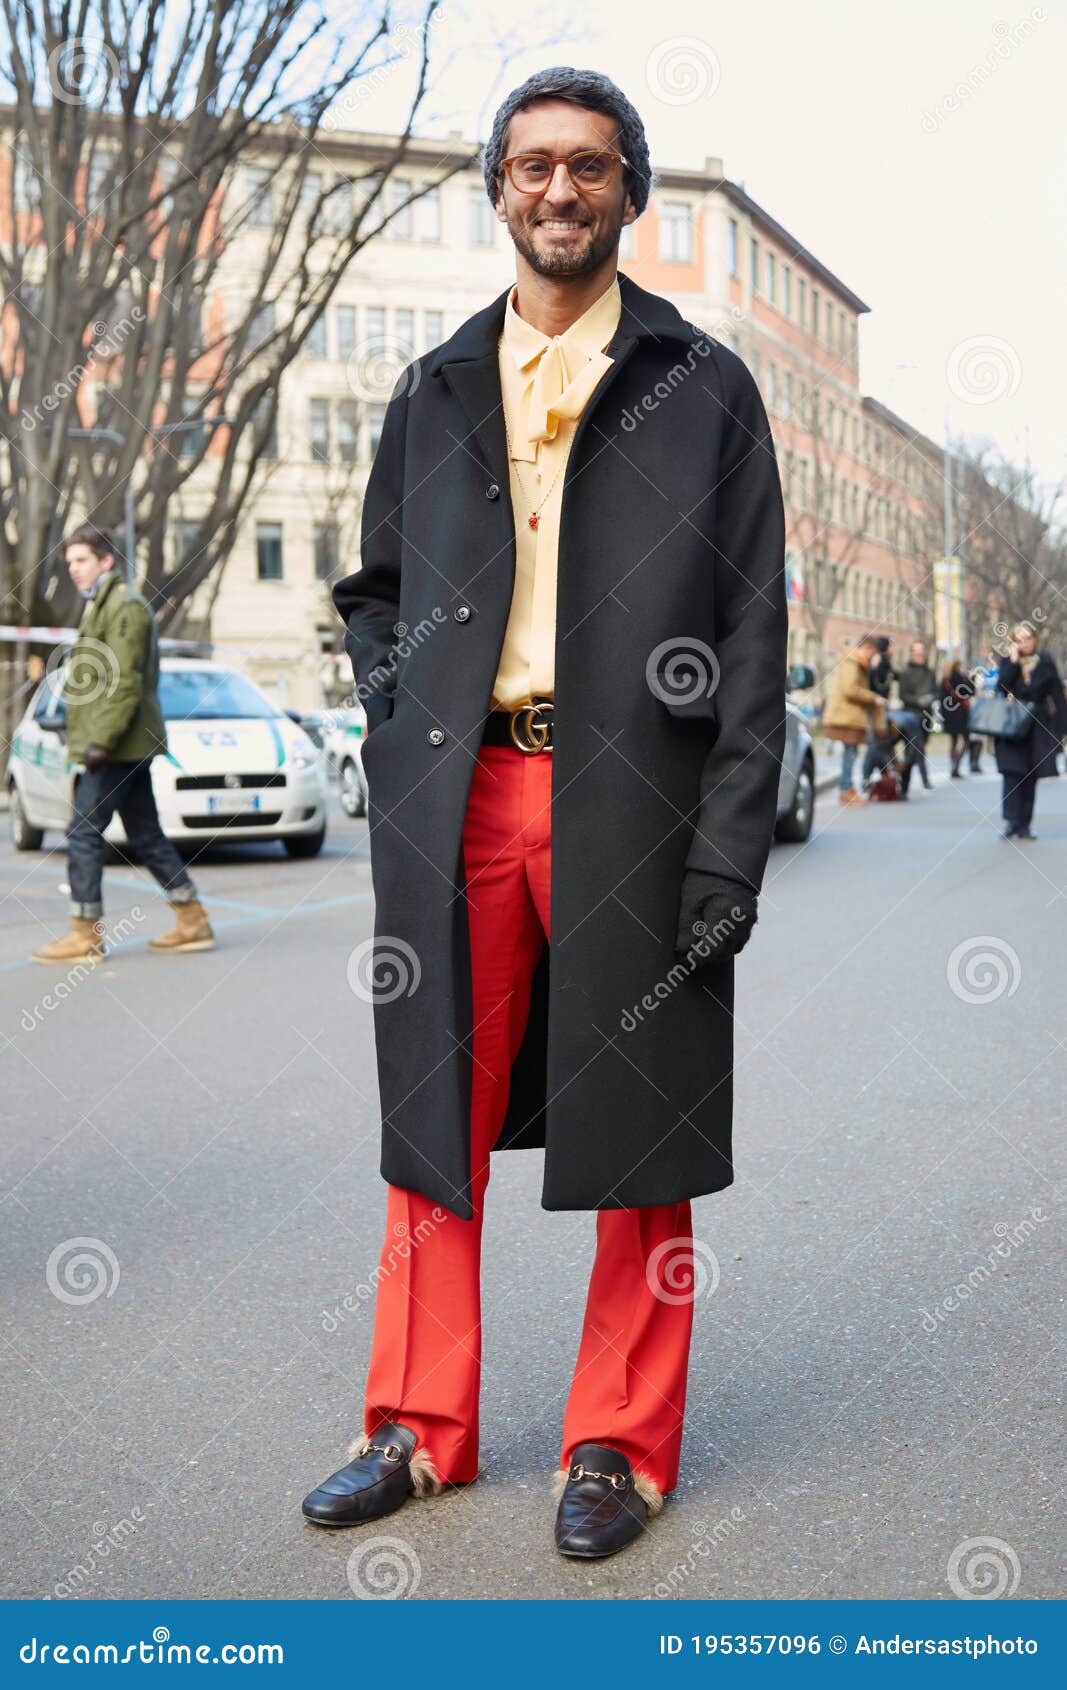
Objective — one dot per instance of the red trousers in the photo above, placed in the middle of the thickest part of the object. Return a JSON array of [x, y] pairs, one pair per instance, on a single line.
[[628, 1389]]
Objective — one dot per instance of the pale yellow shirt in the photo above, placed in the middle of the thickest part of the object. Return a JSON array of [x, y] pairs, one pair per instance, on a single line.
[[545, 382]]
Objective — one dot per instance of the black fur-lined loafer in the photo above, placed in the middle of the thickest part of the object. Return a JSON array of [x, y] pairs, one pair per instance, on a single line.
[[384, 1470], [603, 1505]]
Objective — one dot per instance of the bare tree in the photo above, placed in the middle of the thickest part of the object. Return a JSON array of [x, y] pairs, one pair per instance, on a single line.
[[128, 137], [1014, 544]]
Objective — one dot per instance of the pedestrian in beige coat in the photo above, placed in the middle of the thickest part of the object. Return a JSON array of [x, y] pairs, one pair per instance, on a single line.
[[853, 709]]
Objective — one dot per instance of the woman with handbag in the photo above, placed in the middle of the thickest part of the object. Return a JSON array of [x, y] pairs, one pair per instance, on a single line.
[[1030, 677]]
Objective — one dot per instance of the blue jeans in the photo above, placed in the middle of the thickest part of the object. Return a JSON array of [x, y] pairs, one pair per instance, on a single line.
[[848, 761], [127, 788]]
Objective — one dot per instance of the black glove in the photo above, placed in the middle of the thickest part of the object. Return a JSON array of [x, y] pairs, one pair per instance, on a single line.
[[716, 917], [97, 757]]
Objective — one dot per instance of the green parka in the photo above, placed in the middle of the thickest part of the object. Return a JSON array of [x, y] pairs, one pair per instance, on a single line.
[[112, 685]]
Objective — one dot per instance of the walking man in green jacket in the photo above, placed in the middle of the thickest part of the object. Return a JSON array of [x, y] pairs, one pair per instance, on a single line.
[[114, 729]]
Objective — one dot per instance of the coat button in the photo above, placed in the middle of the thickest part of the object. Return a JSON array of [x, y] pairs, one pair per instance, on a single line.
[[436, 736], [462, 613], [492, 491]]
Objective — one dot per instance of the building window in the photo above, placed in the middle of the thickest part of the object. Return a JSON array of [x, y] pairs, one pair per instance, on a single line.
[[802, 302], [772, 278], [731, 246], [261, 324], [755, 363], [428, 216], [319, 430], [348, 431], [341, 206], [400, 225], [376, 421], [481, 218], [310, 194], [258, 192], [772, 387], [787, 396], [626, 241], [269, 551], [404, 326], [815, 312], [325, 545], [315, 344], [374, 322], [676, 232], [787, 290], [433, 329], [346, 330], [753, 262]]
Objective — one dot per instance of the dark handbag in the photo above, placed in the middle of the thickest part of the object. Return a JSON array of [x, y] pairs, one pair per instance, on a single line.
[[1003, 717]]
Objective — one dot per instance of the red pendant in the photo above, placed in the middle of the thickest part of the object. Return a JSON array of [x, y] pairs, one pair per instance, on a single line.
[[533, 520]]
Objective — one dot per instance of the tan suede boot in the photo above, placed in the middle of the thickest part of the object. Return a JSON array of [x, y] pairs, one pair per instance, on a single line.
[[84, 943], [193, 932]]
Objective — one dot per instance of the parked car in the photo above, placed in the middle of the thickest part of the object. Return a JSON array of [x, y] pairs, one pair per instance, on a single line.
[[796, 787], [343, 744], [237, 768]]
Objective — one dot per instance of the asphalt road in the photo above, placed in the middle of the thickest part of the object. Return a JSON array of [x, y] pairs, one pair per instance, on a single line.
[[208, 1123]]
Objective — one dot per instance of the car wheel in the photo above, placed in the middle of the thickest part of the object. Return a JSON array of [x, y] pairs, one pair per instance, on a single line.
[[353, 795], [795, 826], [305, 844], [24, 836]]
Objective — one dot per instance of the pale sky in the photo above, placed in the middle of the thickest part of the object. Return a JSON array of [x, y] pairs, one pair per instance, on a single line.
[[919, 149]]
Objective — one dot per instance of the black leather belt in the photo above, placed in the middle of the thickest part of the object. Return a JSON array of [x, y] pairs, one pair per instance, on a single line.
[[529, 728]]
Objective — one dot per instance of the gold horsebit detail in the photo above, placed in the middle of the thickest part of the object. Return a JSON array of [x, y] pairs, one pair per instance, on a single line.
[[533, 733], [392, 1452], [616, 1480]]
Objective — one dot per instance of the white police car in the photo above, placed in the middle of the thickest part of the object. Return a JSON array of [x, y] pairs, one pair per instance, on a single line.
[[236, 767]]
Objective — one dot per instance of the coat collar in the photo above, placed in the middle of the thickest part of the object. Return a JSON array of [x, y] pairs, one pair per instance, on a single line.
[[643, 316]]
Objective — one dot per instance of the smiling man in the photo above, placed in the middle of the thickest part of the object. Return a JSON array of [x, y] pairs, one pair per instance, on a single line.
[[572, 787]]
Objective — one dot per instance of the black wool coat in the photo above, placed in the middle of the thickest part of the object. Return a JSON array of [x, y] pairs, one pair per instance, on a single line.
[[669, 731], [1037, 753]]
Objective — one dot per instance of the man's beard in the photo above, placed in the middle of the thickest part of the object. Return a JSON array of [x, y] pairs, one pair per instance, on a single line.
[[566, 258]]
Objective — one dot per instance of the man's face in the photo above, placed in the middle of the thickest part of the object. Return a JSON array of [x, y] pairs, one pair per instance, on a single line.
[[564, 232], [85, 567], [918, 652]]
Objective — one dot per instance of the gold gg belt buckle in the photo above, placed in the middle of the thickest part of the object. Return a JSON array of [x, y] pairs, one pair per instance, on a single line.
[[530, 726]]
